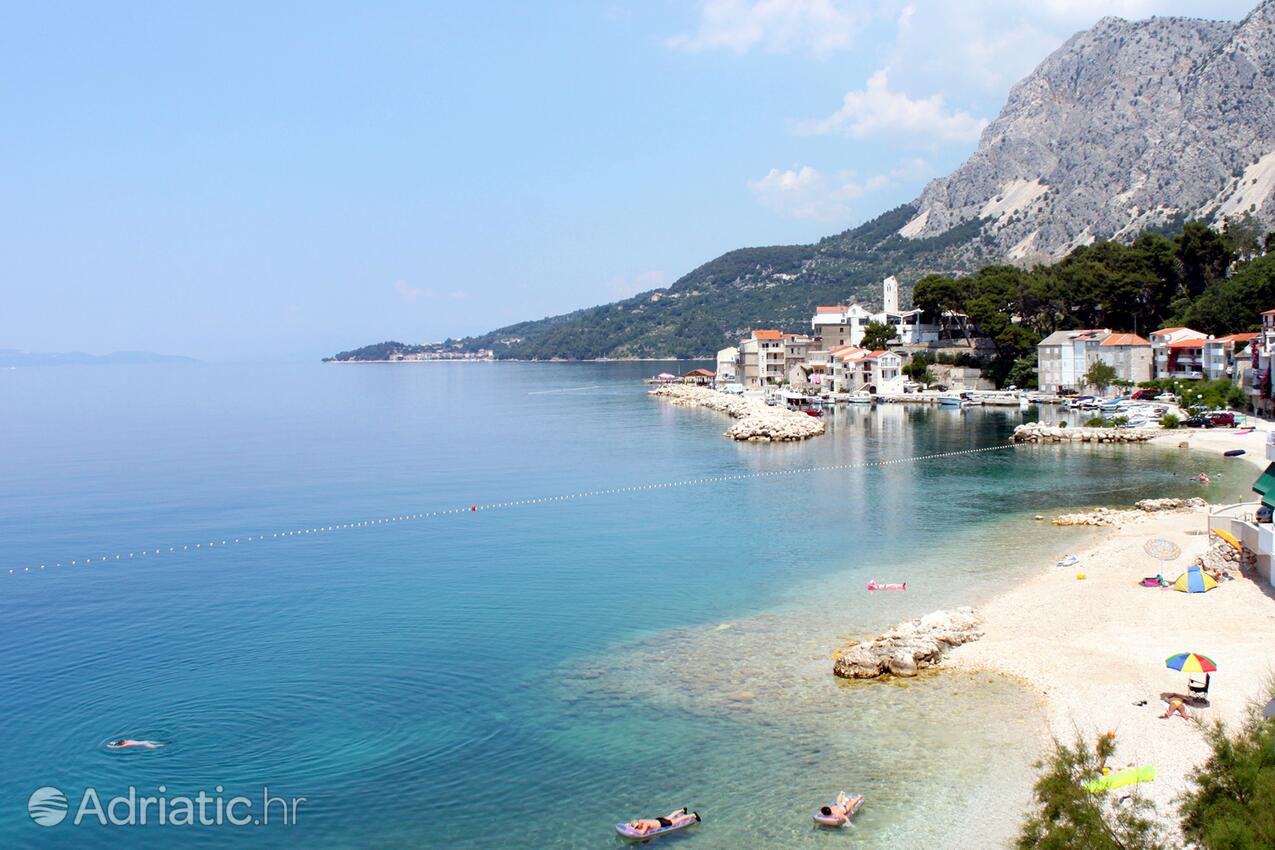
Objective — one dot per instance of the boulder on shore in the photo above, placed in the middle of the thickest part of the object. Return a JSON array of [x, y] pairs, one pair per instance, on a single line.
[[909, 647]]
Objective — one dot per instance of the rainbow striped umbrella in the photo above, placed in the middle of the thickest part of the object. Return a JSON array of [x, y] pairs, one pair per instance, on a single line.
[[1189, 662]]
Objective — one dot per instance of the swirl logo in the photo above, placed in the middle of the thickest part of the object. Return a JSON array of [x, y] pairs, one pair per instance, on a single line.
[[47, 806]]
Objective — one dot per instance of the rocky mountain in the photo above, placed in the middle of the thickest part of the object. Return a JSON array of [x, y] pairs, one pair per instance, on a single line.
[[1127, 127]]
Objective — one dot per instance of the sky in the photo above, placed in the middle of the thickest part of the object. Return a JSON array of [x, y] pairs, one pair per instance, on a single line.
[[280, 181]]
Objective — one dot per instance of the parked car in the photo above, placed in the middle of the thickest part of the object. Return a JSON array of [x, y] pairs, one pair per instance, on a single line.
[[1263, 514], [1197, 422], [1146, 394], [1166, 398], [1222, 420]]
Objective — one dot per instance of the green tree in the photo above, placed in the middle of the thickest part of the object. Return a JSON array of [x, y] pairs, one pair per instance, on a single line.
[[1231, 802], [1023, 373], [877, 335], [1067, 816], [1243, 235], [1100, 374], [938, 295], [1204, 256], [918, 369]]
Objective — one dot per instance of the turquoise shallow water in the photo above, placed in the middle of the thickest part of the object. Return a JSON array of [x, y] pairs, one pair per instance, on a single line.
[[513, 678]]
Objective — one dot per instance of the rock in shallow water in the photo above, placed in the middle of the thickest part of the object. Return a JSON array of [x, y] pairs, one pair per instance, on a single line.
[[910, 646]]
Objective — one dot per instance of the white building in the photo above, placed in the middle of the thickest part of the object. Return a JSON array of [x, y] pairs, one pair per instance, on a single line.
[[728, 366], [1241, 520], [1062, 358], [838, 326], [845, 325], [857, 369]]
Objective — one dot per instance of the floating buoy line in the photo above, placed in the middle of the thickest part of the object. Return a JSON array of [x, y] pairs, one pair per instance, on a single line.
[[222, 542]]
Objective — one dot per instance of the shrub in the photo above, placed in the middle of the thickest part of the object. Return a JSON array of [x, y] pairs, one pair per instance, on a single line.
[[1062, 424], [1231, 804], [1065, 815], [1096, 422], [1170, 421]]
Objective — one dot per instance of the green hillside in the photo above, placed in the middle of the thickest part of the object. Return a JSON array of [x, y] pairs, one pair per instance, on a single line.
[[709, 308]]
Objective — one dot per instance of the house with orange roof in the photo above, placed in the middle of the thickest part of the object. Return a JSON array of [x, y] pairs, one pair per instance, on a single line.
[[762, 359], [1187, 358], [1257, 380], [1129, 354]]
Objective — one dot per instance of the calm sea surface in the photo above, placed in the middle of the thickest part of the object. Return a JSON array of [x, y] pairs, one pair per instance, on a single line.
[[519, 677]]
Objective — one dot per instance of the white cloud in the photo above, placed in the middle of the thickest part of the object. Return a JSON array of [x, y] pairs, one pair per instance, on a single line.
[[622, 286], [776, 26], [878, 111], [807, 193]]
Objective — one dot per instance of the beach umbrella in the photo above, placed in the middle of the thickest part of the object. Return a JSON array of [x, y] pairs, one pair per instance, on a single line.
[[1227, 537], [1161, 549], [665, 376], [1190, 662], [1194, 580]]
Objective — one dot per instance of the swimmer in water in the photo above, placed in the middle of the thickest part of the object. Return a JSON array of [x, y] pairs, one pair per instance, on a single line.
[[122, 743]]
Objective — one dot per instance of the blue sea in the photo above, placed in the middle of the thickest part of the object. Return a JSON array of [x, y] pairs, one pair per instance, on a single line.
[[275, 571]]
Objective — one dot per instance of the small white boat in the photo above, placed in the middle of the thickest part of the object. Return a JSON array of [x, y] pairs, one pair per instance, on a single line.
[[861, 397], [951, 399], [1069, 561]]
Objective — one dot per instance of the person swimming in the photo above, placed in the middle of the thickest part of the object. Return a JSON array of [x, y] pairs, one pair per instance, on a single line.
[[123, 743]]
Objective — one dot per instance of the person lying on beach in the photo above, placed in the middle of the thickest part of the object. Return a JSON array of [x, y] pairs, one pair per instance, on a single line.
[[841, 807], [1176, 706], [642, 826], [128, 742]]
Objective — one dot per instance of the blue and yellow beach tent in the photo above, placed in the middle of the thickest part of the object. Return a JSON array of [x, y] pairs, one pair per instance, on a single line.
[[1194, 580]]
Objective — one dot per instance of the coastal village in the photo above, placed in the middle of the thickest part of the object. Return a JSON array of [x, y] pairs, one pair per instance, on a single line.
[[831, 362]]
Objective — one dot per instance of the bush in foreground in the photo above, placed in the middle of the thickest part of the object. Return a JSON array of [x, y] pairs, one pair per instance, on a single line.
[[1231, 804], [1066, 816]]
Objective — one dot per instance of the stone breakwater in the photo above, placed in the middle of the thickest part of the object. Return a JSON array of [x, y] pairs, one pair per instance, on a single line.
[[1103, 517], [1035, 432], [758, 421], [908, 647]]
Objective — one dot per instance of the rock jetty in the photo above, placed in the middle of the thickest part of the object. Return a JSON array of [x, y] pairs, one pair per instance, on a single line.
[[908, 647], [758, 421], [1035, 432]]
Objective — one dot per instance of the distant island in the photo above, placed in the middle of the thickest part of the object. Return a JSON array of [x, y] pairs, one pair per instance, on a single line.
[[14, 357]]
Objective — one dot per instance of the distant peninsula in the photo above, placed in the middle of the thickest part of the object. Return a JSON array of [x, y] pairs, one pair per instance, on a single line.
[[399, 352], [13, 357]]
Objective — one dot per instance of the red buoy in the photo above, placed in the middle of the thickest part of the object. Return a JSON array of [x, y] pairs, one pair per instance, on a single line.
[[473, 509]]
